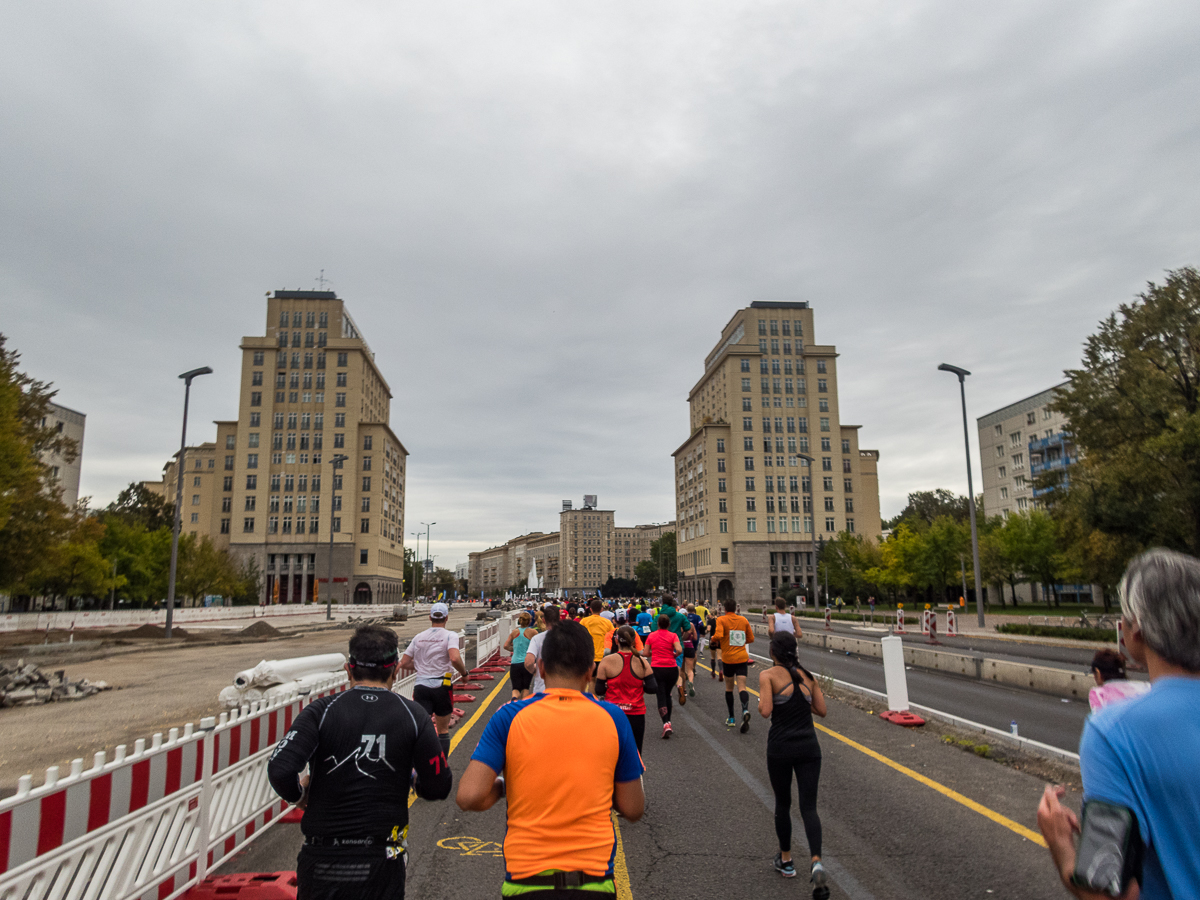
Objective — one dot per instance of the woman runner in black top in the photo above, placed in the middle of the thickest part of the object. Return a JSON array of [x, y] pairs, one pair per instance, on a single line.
[[788, 696]]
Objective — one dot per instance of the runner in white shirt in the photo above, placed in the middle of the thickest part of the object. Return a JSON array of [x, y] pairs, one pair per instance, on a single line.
[[534, 653], [781, 619], [432, 654]]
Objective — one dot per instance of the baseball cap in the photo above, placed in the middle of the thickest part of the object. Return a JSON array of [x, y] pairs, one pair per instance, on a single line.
[[439, 611], [608, 614]]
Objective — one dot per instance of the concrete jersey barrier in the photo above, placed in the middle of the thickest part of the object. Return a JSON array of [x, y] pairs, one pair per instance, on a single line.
[[1043, 679]]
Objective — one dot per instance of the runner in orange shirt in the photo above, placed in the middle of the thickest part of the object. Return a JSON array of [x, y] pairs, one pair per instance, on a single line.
[[599, 628], [731, 636]]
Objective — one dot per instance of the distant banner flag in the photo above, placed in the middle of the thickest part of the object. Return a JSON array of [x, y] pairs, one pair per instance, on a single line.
[[316, 591], [275, 591], [598, 594]]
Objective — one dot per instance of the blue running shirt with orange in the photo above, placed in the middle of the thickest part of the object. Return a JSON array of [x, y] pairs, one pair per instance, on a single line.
[[560, 752]]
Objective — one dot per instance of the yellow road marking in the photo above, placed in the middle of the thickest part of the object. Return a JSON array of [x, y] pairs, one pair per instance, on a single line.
[[954, 795], [620, 869]]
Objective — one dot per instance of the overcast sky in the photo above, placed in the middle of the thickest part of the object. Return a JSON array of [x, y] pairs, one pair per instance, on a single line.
[[542, 214]]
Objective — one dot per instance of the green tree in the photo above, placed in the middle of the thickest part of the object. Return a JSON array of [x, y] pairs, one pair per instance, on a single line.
[[924, 507], [646, 575], [1134, 409], [138, 504], [75, 568], [662, 553]]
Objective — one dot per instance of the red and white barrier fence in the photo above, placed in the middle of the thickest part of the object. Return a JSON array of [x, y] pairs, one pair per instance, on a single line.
[[951, 623], [900, 622], [151, 824]]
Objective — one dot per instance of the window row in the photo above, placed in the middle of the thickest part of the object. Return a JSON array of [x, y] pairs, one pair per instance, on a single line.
[[310, 319]]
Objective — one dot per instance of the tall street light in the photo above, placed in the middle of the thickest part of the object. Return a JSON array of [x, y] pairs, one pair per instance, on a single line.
[[813, 513], [416, 562], [428, 528], [187, 393], [962, 388], [337, 461]]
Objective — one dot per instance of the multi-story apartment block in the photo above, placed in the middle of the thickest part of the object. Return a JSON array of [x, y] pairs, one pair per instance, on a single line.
[[206, 509], [576, 560], [310, 393], [1016, 443], [764, 409], [64, 474]]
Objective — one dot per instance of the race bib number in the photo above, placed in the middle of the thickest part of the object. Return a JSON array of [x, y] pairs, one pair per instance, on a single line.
[[737, 639]]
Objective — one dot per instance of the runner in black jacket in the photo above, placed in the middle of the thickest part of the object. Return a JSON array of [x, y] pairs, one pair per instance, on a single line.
[[362, 747]]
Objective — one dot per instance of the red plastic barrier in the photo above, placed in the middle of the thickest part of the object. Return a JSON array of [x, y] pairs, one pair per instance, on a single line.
[[469, 686], [463, 698], [246, 886], [482, 676], [292, 816], [902, 717]]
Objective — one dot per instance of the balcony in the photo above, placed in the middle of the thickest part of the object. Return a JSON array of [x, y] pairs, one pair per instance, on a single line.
[[1053, 454]]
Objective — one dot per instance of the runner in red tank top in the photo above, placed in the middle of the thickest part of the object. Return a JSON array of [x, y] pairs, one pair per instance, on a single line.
[[619, 680]]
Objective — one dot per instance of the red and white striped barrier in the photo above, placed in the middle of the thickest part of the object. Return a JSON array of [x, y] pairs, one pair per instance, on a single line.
[[951, 623], [151, 824], [925, 621], [900, 622]]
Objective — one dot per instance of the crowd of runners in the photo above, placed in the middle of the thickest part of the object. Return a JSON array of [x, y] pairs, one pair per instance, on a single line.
[[565, 751]]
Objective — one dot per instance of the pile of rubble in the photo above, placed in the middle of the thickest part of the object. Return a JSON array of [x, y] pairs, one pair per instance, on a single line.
[[359, 621], [27, 685]]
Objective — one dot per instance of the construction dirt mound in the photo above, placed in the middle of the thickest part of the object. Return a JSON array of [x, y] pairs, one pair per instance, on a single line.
[[260, 629], [152, 631]]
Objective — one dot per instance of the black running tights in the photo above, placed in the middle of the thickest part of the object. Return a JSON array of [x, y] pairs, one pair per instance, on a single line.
[[808, 773], [666, 676]]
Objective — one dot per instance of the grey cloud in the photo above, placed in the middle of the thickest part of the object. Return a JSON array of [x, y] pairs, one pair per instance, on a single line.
[[541, 215]]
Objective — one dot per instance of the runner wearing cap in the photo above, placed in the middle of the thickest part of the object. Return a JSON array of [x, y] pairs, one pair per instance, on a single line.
[[432, 654], [534, 652]]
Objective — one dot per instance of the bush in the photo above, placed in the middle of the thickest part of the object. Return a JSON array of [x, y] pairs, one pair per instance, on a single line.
[[1101, 635]]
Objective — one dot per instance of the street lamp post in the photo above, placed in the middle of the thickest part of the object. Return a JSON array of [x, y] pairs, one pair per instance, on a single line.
[[428, 529], [337, 461], [812, 541], [416, 562], [962, 388], [187, 393]]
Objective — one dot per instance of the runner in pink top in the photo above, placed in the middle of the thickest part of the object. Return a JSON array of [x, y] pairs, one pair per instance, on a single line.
[[619, 680], [664, 648]]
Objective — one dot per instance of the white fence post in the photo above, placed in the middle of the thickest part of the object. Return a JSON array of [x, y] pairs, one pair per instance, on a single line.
[[203, 820]]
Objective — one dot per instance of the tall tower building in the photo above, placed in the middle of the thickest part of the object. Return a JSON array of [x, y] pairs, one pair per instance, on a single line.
[[271, 489], [744, 492]]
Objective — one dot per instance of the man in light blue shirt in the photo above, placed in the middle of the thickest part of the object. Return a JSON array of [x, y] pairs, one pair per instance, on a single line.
[[1144, 754]]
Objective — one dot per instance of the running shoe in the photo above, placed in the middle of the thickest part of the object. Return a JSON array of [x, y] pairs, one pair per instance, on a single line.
[[730, 722], [682, 694], [819, 878], [786, 869], [667, 732], [745, 721], [691, 689], [721, 677]]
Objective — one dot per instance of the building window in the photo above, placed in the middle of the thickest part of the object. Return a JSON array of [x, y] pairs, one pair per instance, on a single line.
[[273, 525], [850, 525], [747, 423], [337, 524], [366, 483], [339, 399], [287, 524], [846, 465], [720, 445], [828, 504], [366, 504], [751, 524], [749, 484], [848, 486], [745, 384], [745, 365], [367, 442], [824, 424], [364, 526], [366, 464], [845, 446], [1003, 493], [256, 398], [826, 464], [721, 485], [723, 525], [830, 525], [227, 482], [746, 407], [721, 464], [849, 505], [362, 557], [821, 366], [339, 440], [251, 460], [341, 379], [342, 359], [748, 463], [248, 525], [251, 482]]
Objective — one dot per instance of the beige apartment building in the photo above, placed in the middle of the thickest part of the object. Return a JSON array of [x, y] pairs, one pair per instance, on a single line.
[[269, 488], [1015, 443], [64, 474], [750, 507], [579, 558]]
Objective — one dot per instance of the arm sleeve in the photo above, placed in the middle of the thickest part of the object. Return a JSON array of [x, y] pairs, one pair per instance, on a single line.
[[293, 753], [718, 633], [434, 778]]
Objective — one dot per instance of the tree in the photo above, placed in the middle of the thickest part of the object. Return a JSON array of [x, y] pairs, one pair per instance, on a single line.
[[1134, 409], [619, 587], [443, 580], [139, 504], [75, 567], [926, 506], [646, 575], [142, 557], [662, 553], [1029, 543]]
